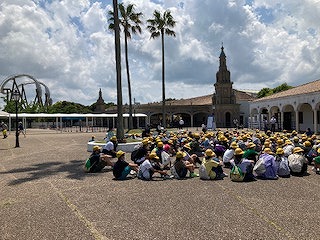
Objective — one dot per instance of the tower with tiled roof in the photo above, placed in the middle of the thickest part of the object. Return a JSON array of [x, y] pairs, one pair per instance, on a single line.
[[225, 107], [100, 104]]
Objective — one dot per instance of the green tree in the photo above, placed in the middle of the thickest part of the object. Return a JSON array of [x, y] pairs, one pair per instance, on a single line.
[[161, 25], [130, 22], [264, 92], [68, 107], [282, 87]]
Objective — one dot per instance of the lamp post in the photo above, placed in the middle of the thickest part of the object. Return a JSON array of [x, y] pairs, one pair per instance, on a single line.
[[16, 97]]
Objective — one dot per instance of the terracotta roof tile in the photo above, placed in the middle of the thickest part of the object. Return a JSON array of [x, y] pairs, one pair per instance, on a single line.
[[310, 87]]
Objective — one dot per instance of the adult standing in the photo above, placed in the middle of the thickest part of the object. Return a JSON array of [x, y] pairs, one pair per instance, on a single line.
[[273, 122], [181, 123]]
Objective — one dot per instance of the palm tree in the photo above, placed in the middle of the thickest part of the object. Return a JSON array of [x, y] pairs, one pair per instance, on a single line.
[[130, 21], [120, 130], [161, 25]]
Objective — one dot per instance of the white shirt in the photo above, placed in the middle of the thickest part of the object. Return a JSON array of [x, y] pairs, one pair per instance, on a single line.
[[243, 165], [145, 169], [109, 146], [228, 155]]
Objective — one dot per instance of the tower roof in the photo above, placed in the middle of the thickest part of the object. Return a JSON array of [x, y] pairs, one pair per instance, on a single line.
[[222, 54]]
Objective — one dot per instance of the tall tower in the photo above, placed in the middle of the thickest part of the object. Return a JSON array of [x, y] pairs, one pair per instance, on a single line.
[[224, 100], [100, 105]]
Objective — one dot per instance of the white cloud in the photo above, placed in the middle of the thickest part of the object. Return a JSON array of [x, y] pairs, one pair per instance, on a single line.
[[66, 44]]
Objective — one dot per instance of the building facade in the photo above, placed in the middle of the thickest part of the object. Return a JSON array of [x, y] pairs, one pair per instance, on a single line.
[[225, 106], [294, 109]]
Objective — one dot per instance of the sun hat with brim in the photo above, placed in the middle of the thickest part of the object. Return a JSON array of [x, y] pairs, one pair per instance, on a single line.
[[210, 153], [113, 139], [238, 151], [297, 150], [279, 151], [153, 156], [251, 145], [96, 148], [180, 154], [145, 142], [307, 144], [234, 145], [120, 153], [268, 151]]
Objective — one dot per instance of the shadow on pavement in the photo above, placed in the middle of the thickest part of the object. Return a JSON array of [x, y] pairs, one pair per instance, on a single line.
[[73, 169]]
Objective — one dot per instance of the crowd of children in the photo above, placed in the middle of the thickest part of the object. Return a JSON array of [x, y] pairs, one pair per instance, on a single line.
[[249, 155]]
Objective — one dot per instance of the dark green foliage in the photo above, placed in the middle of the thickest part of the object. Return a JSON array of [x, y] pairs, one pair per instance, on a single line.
[[282, 87], [264, 92]]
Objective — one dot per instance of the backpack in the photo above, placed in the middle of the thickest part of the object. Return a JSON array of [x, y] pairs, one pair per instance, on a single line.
[[87, 165], [259, 168], [283, 169], [203, 172], [236, 174]]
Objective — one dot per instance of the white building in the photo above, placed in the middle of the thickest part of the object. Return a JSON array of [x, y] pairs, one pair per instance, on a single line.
[[296, 108]]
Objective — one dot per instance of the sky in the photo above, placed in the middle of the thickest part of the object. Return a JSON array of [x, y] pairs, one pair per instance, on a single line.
[[66, 44]]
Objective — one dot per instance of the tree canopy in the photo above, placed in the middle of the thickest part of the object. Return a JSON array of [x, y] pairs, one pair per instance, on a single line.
[[264, 92]]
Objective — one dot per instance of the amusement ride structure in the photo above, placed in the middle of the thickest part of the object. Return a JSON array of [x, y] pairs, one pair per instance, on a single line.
[[28, 88]]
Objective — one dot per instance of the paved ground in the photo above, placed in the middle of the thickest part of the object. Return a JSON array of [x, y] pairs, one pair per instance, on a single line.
[[45, 195]]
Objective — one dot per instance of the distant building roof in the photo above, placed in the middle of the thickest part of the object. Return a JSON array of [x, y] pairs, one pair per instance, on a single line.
[[206, 99], [307, 88]]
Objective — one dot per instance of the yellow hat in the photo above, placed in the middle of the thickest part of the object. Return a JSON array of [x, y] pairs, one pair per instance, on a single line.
[[153, 155], [297, 150], [187, 146], [307, 144], [113, 139], [268, 151], [180, 154], [120, 153], [145, 141], [318, 150], [160, 144], [96, 148], [288, 142], [279, 151], [234, 145], [238, 151], [279, 141], [251, 145], [210, 153], [196, 135]]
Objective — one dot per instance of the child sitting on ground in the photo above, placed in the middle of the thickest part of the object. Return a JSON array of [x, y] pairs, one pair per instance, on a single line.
[[121, 168]]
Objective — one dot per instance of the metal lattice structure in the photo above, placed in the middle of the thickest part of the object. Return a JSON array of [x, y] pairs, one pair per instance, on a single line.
[[20, 83]]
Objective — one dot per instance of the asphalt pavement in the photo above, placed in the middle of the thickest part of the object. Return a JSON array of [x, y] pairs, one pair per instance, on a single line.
[[44, 194]]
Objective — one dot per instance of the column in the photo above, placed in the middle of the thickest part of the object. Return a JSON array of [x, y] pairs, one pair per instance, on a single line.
[[191, 116], [281, 120], [297, 120], [315, 124]]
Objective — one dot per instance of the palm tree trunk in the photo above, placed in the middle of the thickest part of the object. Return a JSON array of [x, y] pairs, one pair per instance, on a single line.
[[120, 130], [129, 82], [163, 83]]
